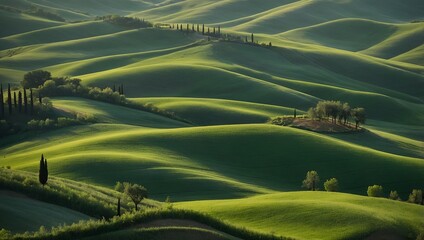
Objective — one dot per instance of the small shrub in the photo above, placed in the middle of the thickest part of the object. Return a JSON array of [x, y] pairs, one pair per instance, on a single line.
[[331, 185], [281, 121], [375, 191], [394, 195], [416, 196]]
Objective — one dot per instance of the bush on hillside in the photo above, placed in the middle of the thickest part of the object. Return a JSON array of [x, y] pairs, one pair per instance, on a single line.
[[311, 181], [416, 196], [35, 78], [375, 191], [281, 121], [394, 195], [331, 185]]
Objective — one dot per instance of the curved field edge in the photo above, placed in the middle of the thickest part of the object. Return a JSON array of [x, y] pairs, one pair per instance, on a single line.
[[91, 228], [312, 215]]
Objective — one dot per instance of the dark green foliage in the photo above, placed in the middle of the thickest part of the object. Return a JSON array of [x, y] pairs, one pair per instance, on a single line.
[[281, 121], [20, 101], [43, 172], [9, 99], [203, 29], [252, 39], [119, 207], [1, 101], [311, 181], [375, 191], [35, 78], [25, 102], [294, 113], [15, 102], [359, 116], [128, 22], [31, 101]]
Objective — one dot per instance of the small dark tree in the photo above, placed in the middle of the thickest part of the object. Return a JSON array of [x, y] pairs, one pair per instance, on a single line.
[[198, 29], [1, 102], [252, 38], [214, 31], [9, 99], [35, 78], [136, 192], [20, 101], [359, 116], [15, 101], [375, 191], [394, 195], [25, 102], [43, 173], [311, 180], [31, 101], [40, 99], [119, 207], [416, 196], [219, 30], [187, 27], [209, 30], [203, 29], [192, 27], [122, 89], [114, 88], [331, 185], [294, 113]]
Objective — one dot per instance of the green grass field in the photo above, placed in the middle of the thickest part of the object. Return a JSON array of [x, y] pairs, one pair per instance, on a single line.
[[315, 215], [222, 157], [25, 213]]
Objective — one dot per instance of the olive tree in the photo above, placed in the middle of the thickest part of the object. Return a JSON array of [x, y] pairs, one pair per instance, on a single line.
[[311, 180]]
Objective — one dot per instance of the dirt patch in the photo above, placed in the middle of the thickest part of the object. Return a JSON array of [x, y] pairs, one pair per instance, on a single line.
[[322, 126], [174, 223], [385, 235]]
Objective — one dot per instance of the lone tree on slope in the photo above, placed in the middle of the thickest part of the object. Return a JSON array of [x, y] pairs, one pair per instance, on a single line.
[[9, 99], [359, 116], [43, 172], [136, 193], [311, 180], [35, 78]]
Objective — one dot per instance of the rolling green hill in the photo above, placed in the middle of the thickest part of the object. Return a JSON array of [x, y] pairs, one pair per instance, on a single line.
[[27, 214], [316, 215]]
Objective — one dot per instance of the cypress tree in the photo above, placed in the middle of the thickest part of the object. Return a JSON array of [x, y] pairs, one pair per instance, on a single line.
[[187, 27], [209, 30], [1, 101], [192, 27], [42, 173], [122, 89], [119, 90], [20, 101], [32, 101], [198, 29], [178, 27], [252, 38], [40, 99], [114, 88], [203, 29], [25, 102], [214, 31], [181, 27], [119, 207], [9, 99], [15, 101], [46, 171]]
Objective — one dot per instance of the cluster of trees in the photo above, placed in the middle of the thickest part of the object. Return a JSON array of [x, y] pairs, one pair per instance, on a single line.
[[416, 196], [337, 111], [312, 180], [215, 32], [128, 22], [134, 191], [23, 102]]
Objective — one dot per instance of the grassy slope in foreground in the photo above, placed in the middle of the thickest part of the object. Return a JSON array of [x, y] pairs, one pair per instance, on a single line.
[[26, 214], [210, 162], [316, 215]]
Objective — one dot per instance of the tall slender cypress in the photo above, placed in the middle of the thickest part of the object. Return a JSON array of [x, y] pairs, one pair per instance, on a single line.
[[192, 27], [40, 99], [114, 88], [32, 101], [15, 101], [46, 171], [214, 31], [9, 99], [252, 38], [119, 207], [122, 89], [198, 29], [187, 27], [20, 101], [203, 29], [1, 101], [41, 171], [25, 102], [209, 30], [219, 30]]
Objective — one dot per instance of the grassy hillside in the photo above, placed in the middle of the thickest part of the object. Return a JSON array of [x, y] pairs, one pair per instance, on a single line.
[[26, 214], [316, 215], [203, 111], [216, 162], [109, 113]]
